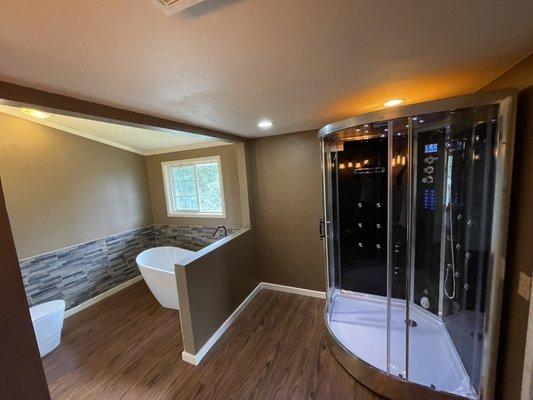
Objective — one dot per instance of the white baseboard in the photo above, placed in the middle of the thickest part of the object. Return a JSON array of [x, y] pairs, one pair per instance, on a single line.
[[190, 358], [294, 290], [195, 359], [100, 297]]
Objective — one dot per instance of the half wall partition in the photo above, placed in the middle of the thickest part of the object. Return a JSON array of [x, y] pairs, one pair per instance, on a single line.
[[416, 203]]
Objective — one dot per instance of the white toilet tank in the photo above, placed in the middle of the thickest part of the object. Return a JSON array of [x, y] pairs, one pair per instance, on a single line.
[[47, 319]]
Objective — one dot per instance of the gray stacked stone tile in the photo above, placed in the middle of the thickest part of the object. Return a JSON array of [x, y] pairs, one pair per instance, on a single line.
[[79, 273], [188, 237]]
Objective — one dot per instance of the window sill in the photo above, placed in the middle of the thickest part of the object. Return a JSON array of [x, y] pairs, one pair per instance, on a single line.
[[196, 215]]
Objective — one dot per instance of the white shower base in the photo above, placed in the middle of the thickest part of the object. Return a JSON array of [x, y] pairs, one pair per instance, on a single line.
[[359, 322]]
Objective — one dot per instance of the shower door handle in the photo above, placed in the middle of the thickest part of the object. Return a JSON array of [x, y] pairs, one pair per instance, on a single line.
[[321, 227]]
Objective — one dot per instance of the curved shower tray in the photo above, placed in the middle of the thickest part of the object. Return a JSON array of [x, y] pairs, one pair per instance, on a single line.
[[380, 382]]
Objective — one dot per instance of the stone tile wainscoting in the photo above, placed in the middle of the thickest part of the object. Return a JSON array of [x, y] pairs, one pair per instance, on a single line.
[[188, 237], [81, 272]]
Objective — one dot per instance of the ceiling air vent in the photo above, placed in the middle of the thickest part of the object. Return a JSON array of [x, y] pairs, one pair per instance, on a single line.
[[170, 7]]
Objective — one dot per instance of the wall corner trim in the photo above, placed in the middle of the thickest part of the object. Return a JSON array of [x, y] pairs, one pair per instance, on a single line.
[[196, 359], [102, 296], [190, 358]]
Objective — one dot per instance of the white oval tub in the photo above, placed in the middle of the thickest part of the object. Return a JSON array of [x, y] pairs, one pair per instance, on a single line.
[[157, 269]]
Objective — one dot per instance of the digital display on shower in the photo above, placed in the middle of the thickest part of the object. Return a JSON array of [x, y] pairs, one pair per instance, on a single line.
[[431, 148]]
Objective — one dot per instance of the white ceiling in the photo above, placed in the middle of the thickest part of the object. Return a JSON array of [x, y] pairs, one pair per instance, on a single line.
[[138, 140], [225, 64]]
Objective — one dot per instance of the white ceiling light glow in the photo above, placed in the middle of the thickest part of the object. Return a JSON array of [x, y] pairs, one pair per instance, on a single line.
[[265, 124], [34, 113], [393, 102]]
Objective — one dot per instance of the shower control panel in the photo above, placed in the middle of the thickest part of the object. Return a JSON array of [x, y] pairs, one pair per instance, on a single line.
[[428, 168], [428, 196], [429, 199], [429, 161]]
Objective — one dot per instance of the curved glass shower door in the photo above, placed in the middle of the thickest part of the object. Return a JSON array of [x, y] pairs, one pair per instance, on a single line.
[[452, 220], [366, 186], [409, 235], [357, 241]]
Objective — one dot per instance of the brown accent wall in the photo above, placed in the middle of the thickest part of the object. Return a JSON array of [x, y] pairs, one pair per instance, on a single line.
[[21, 372], [515, 309], [211, 287], [62, 189], [288, 203], [229, 158]]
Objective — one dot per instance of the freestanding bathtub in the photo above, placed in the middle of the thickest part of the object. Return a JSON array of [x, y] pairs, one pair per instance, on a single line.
[[157, 269]]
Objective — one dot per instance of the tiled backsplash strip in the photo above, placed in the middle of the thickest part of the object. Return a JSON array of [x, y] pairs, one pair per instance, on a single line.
[[188, 237], [81, 272]]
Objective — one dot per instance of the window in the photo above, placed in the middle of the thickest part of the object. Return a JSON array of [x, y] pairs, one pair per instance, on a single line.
[[194, 187]]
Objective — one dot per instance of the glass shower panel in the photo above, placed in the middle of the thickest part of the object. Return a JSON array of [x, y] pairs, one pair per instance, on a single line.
[[470, 150], [360, 171], [398, 311], [453, 195], [328, 226], [429, 342]]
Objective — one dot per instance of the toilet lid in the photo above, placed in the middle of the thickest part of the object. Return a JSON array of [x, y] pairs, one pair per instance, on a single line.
[[39, 311]]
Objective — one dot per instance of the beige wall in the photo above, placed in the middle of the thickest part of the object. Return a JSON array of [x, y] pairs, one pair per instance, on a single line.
[[519, 265], [229, 158], [519, 77], [62, 189], [288, 203]]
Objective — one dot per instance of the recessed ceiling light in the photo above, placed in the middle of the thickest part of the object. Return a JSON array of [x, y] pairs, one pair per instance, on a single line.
[[265, 124], [34, 113], [393, 102]]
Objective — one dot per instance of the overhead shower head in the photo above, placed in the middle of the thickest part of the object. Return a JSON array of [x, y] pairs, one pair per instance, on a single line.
[[453, 145]]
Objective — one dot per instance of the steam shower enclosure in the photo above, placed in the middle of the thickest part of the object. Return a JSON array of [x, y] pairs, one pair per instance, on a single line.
[[416, 206]]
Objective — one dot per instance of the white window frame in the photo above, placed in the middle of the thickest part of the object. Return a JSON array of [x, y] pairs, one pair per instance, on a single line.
[[169, 194]]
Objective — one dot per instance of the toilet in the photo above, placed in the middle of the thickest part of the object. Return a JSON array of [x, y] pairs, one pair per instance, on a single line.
[[47, 319]]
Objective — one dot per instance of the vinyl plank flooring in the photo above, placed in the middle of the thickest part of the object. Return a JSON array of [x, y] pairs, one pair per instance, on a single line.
[[128, 347]]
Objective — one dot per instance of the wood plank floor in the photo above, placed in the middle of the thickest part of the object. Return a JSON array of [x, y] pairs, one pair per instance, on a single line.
[[128, 347]]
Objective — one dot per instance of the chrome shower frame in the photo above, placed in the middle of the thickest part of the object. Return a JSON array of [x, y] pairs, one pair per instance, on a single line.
[[376, 379]]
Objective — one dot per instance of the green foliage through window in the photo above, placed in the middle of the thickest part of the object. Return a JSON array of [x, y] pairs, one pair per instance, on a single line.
[[195, 187]]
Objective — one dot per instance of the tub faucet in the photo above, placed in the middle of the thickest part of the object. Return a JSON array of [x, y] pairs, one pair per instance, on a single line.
[[221, 227]]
